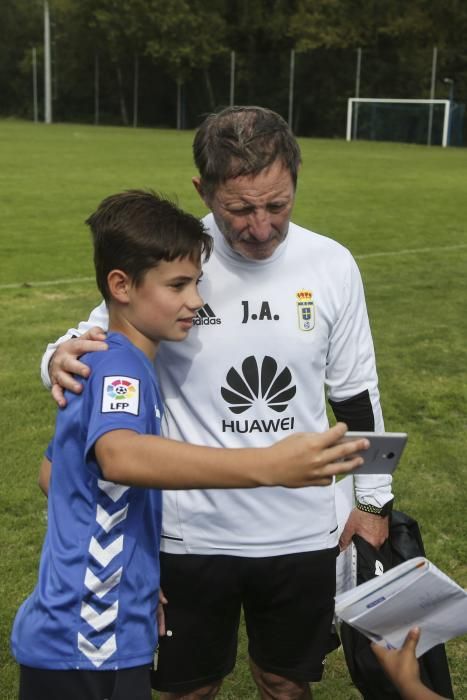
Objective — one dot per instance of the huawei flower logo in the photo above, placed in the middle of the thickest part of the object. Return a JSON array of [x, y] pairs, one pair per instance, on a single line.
[[253, 383]]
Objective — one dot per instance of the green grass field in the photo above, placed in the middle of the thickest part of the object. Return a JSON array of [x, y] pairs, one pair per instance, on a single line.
[[401, 209]]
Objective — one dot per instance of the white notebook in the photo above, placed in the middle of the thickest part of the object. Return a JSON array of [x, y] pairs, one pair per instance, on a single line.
[[414, 593]]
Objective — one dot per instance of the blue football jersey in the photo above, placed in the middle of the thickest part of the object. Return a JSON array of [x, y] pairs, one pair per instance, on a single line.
[[94, 606]]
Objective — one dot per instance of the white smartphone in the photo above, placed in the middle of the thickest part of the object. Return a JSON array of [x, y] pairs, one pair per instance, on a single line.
[[383, 454]]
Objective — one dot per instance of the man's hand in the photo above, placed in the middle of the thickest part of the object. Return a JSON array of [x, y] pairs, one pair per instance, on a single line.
[[401, 666], [312, 459], [160, 615], [373, 528], [64, 363]]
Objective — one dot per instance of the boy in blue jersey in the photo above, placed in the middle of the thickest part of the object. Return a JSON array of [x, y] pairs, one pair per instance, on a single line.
[[88, 631]]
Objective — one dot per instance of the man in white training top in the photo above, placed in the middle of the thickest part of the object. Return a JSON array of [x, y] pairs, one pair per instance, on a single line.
[[284, 326]]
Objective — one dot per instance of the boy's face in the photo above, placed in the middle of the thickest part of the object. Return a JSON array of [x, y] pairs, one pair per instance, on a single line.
[[163, 306]]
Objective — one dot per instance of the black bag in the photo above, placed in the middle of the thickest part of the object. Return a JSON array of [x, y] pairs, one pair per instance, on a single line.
[[404, 543]]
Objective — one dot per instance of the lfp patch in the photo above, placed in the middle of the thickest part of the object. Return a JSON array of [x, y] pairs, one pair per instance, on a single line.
[[120, 395]]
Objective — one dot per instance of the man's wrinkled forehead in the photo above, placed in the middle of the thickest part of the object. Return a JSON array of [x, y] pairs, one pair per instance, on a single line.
[[239, 172]]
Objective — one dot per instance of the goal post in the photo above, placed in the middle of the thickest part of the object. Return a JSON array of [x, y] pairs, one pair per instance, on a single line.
[[377, 116]]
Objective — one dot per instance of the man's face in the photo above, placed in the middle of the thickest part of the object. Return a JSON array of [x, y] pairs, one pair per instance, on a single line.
[[253, 212]]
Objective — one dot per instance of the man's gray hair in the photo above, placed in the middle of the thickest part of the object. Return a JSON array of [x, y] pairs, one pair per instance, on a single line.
[[243, 141]]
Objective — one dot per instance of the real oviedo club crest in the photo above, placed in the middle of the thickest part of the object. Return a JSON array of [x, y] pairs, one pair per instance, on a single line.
[[305, 310]]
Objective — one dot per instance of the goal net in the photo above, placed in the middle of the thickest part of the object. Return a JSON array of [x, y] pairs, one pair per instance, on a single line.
[[410, 121]]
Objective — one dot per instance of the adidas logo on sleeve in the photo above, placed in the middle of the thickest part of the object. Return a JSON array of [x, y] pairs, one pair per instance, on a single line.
[[206, 317]]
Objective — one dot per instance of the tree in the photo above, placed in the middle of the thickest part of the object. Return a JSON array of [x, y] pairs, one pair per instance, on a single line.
[[21, 29], [185, 36], [121, 25]]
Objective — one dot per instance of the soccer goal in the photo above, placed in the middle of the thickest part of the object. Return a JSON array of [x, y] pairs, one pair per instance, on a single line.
[[410, 121]]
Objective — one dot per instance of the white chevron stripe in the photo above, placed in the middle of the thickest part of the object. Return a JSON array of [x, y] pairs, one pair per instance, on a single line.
[[99, 621], [104, 555], [108, 521], [101, 588], [113, 491], [97, 655]]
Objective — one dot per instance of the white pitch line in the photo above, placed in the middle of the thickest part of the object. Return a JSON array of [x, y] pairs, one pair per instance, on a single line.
[[50, 283], [364, 256], [410, 251]]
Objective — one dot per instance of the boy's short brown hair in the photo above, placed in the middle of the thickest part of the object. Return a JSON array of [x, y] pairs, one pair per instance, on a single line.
[[134, 230]]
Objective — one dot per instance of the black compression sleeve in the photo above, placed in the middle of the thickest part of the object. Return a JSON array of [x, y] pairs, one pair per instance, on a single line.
[[357, 412]]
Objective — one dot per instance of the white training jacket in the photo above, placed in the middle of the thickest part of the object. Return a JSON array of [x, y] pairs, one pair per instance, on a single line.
[[273, 338]]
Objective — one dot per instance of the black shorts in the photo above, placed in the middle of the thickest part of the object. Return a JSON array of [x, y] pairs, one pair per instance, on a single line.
[[288, 604], [42, 684]]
